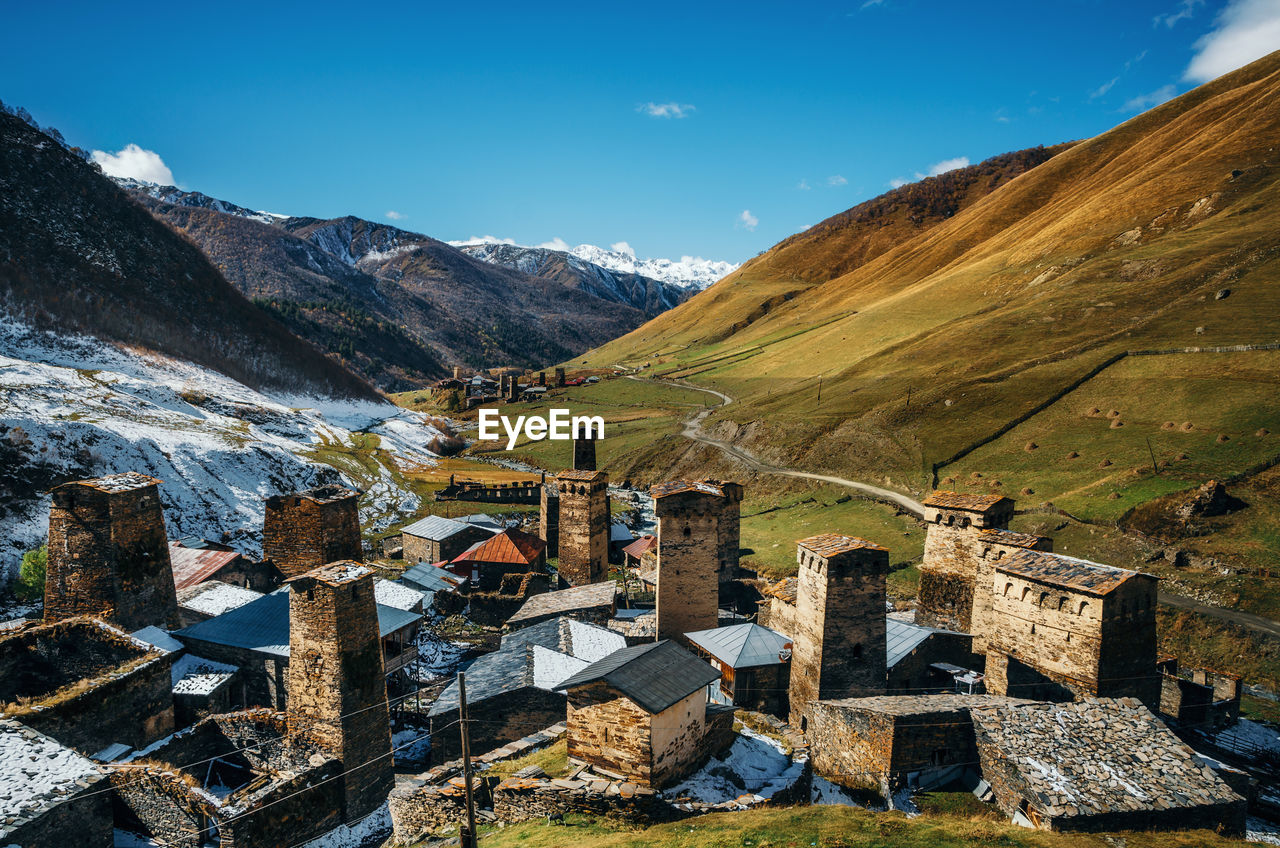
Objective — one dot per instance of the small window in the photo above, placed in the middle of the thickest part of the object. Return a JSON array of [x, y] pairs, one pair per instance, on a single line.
[[1026, 590], [1044, 598], [1084, 605], [1007, 587], [857, 651]]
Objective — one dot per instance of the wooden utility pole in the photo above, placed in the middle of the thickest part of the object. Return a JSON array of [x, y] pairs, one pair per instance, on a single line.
[[908, 397], [819, 403], [1151, 451], [468, 837]]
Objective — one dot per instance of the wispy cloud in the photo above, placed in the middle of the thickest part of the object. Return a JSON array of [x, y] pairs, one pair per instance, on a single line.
[[1104, 88], [748, 221], [944, 166], [1183, 11], [666, 110], [803, 185], [394, 215], [898, 182], [1151, 99], [836, 180], [1243, 31], [133, 161], [870, 3]]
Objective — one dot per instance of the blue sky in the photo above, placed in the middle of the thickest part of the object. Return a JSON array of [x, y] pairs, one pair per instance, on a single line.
[[680, 128]]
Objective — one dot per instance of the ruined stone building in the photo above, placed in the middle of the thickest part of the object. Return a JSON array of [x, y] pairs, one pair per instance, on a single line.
[[1198, 698], [595, 603], [1098, 765], [1065, 627], [839, 639], [306, 530], [438, 539], [60, 801], [583, 526], [109, 553], [641, 714], [754, 664], [688, 562], [86, 684]]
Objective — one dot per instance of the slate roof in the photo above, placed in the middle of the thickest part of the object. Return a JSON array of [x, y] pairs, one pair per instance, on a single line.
[[510, 670], [398, 595], [510, 546], [1093, 757], [785, 590], [431, 578], [437, 528], [1068, 572], [963, 501], [1008, 537], [903, 637], [588, 596], [582, 476], [830, 544], [214, 598], [125, 482], [37, 774], [196, 565], [655, 676], [641, 546], [920, 705], [742, 645], [264, 625], [568, 636], [677, 487]]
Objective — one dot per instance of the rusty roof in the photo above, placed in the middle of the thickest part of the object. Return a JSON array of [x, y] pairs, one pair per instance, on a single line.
[[964, 501], [1008, 537], [125, 482], [785, 590], [830, 544], [676, 487], [194, 565], [1068, 572], [584, 476], [509, 546], [641, 546]]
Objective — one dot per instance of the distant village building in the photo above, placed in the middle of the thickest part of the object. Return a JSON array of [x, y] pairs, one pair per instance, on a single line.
[[306, 530], [204, 601], [549, 517], [840, 642], [109, 554], [641, 714], [486, 563], [437, 539], [51, 794], [584, 453], [640, 558], [583, 526], [443, 591], [688, 560], [595, 603], [754, 664]]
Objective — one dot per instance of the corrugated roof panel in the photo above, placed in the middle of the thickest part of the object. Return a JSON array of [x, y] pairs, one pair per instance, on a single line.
[[434, 527]]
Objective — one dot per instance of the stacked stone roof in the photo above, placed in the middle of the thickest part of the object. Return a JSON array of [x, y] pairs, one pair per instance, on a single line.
[[1080, 575], [830, 544]]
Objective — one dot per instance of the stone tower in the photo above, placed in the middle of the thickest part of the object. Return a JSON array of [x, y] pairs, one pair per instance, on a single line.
[[559, 378], [584, 526], [688, 593], [549, 516], [306, 530], [109, 554], [728, 528], [839, 643], [337, 691], [584, 453]]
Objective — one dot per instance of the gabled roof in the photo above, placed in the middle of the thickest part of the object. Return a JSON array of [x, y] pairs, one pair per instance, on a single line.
[[214, 598], [830, 544], [588, 596], [903, 637], [964, 501], [619, 532], [263, 625], [1068, 572], [196, 565], [568, 636], [509, 670], [509, 546], [437, 528], [742, 645], [641, 546], [655, 676], [431, 578], [484, 522]]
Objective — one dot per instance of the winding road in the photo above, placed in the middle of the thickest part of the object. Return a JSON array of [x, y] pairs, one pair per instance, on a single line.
[[693, 431]]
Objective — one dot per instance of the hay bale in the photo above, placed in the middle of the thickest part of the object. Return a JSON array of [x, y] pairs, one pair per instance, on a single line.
[[1116, 423]]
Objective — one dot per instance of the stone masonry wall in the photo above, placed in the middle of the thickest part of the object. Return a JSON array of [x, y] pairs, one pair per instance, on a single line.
[[610, 733], [549, 518], [496, 721], [79, 821], [306, 530], [688, 591], [583, 527]]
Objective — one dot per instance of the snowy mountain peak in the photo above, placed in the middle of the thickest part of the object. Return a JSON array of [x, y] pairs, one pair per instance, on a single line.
[[179, 197]]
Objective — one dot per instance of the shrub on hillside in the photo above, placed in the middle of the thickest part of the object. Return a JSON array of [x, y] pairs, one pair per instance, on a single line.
[[28, 586]]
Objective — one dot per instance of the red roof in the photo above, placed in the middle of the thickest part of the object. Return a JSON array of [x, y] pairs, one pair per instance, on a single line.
[[192, 565], [641, 546], [509, 546]]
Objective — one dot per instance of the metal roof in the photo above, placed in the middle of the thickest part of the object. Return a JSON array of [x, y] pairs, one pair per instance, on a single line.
[[655, 676], [196, 565], [264, 625], [568, 636], [588, 596], [431, 578], [434, 527], [619, 532], [1068, 572], [641, 546], [742, 645], [903, 637], [510, 547]]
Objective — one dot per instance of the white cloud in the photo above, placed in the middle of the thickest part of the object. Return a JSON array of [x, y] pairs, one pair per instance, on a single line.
[[1244, 31], [898, 182], [837, 180], [803, 185], [394, 215], [1185, 10], [945, 165], [748, 221], [623, 247], [1146, 101], [666, 110], [556, 243], [870, 3], [481, 240], [134, 162], [1104, 88]]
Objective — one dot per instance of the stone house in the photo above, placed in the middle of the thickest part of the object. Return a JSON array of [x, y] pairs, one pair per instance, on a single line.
[[438, 539], [308, 529], [443, 591], [59, 802], [1198, 698], [641, 714], [921, 659], [1098, 765], [885, 743], [204, 601], [486, 563], [1064, 627], [754, 664], [513, 691], [593, 602], [640, 558], [86, 684]]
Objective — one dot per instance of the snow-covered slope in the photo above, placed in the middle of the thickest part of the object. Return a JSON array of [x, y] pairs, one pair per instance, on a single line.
[[179, 197], [688, 272], [74, 407]]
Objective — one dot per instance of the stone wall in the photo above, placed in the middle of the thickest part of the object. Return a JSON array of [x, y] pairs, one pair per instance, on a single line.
[[584, 527], [839, 647], [492, 609], [82, 820], [309, 529], [337, 691], [418, 549], [549, 518], [109, 554], [610, 733], [688, 591], [945, 599], [912, 674], [496, 721], [682, 739], [728, 529]]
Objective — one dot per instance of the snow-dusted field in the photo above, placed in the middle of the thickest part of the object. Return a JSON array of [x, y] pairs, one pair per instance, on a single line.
[[77, 406], [754, 765]]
